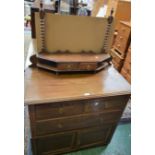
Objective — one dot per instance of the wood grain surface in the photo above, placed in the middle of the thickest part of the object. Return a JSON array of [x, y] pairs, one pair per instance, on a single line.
[[69, 57], [44, 87]]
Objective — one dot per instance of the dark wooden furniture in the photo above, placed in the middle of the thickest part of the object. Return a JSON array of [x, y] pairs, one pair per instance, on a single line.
[[67, 43], [75, 111], [63, 62], [121, 44]]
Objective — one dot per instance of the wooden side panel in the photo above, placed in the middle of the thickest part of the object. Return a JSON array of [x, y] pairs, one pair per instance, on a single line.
[[123, 11]]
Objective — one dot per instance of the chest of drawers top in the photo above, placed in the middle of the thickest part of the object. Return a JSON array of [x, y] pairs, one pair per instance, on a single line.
[[45, 87]]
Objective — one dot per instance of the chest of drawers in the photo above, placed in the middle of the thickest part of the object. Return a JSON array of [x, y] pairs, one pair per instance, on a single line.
[[121, 44], [123, 38], [126, 69], [72, 112]]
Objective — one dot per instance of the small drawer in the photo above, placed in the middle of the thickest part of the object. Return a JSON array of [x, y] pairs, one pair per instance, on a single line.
[[116, 57], [68, 66], [124, 31], [87, 66], [53, 143], [54, 110], [101, 105], [76, 122]]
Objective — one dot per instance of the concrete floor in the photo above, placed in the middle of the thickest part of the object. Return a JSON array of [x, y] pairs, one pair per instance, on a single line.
[[119, 145]]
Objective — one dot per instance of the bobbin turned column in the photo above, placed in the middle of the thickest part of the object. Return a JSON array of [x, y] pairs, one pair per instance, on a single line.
[[42, 26], [107, 33]]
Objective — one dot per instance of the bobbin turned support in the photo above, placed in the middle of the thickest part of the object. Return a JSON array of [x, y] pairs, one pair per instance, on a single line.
[[42, 26], [42, 13], [110, 18], [107, 33]]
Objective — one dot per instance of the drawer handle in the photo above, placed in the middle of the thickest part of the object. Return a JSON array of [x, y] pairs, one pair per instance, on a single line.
[[61, 110], [60, 125], [69, 66], [88, 66], [121, 38], [118, 45], [96, 104]]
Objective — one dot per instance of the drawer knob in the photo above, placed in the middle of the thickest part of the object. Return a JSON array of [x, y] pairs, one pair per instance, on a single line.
[[118, 45], [61, 110], [88, 66], [96, 103], [69, 66], [60, 125]]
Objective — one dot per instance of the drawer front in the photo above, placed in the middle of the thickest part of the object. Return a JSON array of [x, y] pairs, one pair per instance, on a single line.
[[124, 31], [68, 66], [121, 46], [116, 57], [65, 109], [54, 110], [72, 123], [122, 38], [113, 103], [77, 66], [87, 66], [93, 136], [53, 143]]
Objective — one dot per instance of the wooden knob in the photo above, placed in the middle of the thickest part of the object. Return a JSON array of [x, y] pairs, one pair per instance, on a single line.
[[69, 66], [121, 37], [118, 45], [61, 110], [88, 66], [60, 125], [96, 103]]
